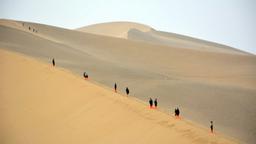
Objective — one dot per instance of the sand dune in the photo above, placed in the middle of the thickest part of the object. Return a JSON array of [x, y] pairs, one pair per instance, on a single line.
[[42, 104], [205, 84], [139, 32], [114, 29]]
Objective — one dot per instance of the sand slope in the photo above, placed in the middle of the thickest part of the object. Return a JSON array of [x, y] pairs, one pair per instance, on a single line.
[[206, 85], [42, 104]]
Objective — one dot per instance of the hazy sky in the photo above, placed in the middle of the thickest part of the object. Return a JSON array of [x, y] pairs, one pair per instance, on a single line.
[[230, 22]]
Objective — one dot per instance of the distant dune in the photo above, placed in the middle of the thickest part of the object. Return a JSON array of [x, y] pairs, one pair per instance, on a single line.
[[115, 29], [139, 32], [207, 81]]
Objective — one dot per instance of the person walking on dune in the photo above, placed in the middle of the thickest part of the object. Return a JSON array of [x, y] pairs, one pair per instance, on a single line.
[[177, 112], [53, 62], [127, 90], [155, 102], [150, 102], [115, 87], [211, 126], [85, 75]]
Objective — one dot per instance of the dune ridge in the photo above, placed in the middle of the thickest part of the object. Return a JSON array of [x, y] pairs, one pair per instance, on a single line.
[[50, 105], [114, 29]]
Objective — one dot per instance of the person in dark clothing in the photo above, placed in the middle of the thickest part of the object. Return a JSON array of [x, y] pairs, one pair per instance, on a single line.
[[150, 102], [53, 62], [115, 87], [177, 112], [127, 90], [155, 102], [211, 126], [85, 75]]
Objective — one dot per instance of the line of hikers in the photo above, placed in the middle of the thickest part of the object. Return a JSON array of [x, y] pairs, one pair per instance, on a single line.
[[176, 111], [155, 103], [126, 89]]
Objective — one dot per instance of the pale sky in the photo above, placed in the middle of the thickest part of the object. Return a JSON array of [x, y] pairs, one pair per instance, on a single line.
[[229, 22]]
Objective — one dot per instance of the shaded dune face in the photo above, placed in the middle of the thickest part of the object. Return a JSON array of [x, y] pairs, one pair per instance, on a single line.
[[207, 81]]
